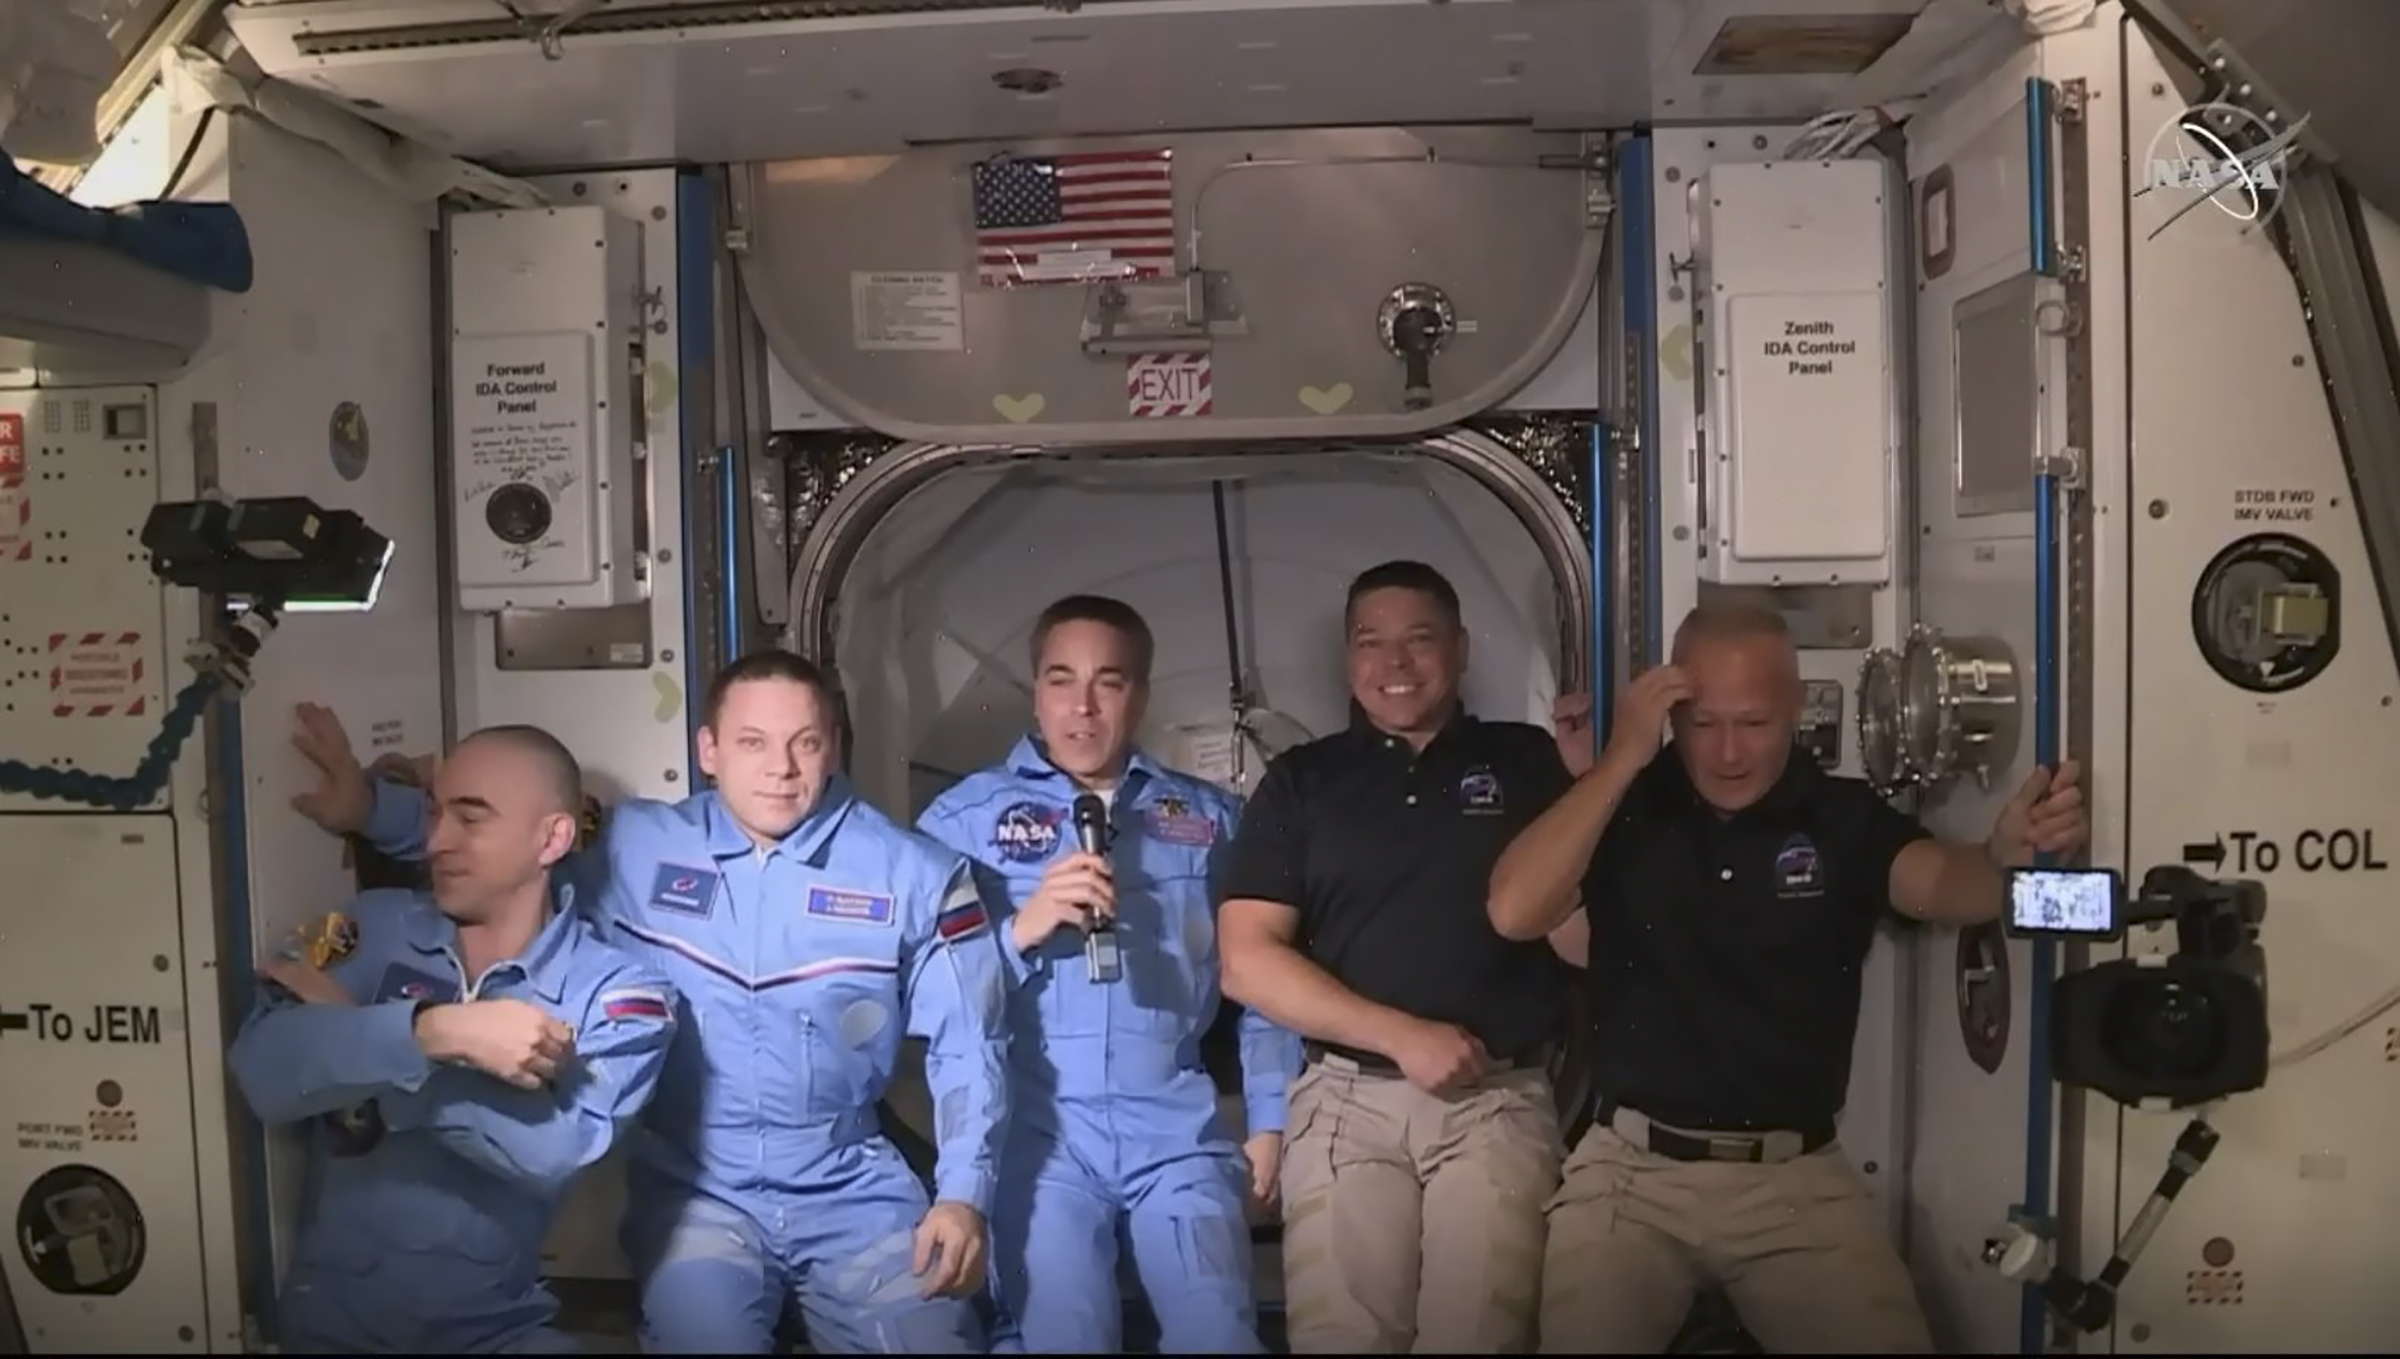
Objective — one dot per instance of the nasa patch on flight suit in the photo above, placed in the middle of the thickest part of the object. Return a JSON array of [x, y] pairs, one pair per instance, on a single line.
[[1798, 870], [685, 891], [1479, 792], [857, 908], [1027, 832], [1172, 821]]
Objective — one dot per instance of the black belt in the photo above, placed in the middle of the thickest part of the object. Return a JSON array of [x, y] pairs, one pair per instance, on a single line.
[[1752, 1147], [1376, 1064]]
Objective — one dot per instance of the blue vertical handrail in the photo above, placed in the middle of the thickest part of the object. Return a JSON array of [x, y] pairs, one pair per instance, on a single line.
[[2039, 1133], [730, 596]]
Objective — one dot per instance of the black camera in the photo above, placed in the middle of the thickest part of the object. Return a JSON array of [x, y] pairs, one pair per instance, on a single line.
[[2182, 1028]]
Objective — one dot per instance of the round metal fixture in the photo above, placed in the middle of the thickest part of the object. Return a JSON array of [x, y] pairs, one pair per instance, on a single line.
[[517, 514], [1415, 319], [1960, 696], [1881, 751], [2266, 613]]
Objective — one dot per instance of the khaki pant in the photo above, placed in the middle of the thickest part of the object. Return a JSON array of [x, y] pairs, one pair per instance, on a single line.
[[1414, 1221], [1801, 1250]]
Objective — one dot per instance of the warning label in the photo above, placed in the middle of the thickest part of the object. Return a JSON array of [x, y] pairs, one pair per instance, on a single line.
[[16, 506], [1167, 386], [96, 674]]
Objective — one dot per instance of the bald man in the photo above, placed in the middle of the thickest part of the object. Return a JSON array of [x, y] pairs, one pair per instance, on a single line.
[[1730, 893], [459, 1058]]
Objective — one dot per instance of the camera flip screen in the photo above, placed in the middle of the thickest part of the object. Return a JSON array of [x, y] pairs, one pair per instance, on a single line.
[[2066, 903]]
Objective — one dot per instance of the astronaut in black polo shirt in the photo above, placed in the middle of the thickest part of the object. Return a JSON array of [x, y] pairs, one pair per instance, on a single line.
[[1731, 893], [1423, 1137]]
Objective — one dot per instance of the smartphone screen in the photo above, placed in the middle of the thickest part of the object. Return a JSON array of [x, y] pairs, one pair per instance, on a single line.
[[2072, 902]]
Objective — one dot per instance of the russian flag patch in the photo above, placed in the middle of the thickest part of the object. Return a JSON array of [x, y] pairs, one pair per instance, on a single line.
[[636, 1004], [960, 921]]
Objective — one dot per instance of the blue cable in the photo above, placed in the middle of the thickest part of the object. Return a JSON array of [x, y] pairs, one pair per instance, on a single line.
[[148, 779]]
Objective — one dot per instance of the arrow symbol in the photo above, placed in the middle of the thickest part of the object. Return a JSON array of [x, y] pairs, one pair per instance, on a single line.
[[2212, 853]]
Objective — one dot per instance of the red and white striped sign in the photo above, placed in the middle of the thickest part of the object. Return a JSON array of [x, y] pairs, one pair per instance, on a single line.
[[96, 674], [1166, 386], [16, 507]]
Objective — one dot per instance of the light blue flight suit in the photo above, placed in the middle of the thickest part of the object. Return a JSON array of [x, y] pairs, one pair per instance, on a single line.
[[1115, 1129], [432, 1187], [762, 1172]]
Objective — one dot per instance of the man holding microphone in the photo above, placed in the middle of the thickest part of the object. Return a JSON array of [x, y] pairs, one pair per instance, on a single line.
[[1100, 864]]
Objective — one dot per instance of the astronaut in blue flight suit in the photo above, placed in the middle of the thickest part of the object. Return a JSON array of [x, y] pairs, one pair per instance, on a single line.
[[461, 1055], [1114, 1125], [806, 932]]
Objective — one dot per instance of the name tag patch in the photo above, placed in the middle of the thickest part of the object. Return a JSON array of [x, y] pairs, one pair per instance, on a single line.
[[1798, 871], [1479, 791], [685, 891], [858, 908], [402, 982], [1172, 820]]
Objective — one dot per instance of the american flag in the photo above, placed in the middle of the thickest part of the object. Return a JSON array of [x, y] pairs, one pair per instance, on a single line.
[[1065, 219]]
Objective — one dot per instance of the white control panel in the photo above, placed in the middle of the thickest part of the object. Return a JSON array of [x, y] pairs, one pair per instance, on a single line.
[[545, 421], [1793, 323]]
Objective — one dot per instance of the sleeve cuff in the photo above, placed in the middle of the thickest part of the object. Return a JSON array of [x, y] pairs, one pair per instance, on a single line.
[[388, 1040], [1266, 1114], [972, 1187], [392, 819]]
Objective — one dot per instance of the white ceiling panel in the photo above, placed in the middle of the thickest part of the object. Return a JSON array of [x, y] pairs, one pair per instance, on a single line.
[[648, 86]]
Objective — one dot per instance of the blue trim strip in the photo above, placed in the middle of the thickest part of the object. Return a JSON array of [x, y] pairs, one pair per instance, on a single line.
[[2037, 174], [695, 322], [2040, 1130], [1604, 642], [238, 967], [1641, 319]]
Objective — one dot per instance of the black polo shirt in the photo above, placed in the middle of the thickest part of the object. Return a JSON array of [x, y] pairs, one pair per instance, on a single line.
[[1726, 950], [1388, 853]]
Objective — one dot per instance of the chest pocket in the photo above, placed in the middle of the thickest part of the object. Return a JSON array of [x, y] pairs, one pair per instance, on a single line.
[[829, 987], [1170, 920]]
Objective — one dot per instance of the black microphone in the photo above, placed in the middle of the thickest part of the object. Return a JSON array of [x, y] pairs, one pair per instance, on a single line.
[[1100, 939]]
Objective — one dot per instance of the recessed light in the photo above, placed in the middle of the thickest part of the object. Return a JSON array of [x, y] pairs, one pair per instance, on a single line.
[[1257, 45], [1512, 37], [1267, 89]]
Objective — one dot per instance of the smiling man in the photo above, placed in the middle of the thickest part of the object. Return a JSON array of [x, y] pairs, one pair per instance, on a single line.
[[1424, 1133], [460, 1057], [808, 935], [1732, 892], [1115, 1132]]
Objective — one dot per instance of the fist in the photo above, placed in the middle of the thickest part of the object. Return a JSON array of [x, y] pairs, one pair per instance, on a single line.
[[1438, 1057], [508, 1039], [2047, 816], [1077, 891]]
